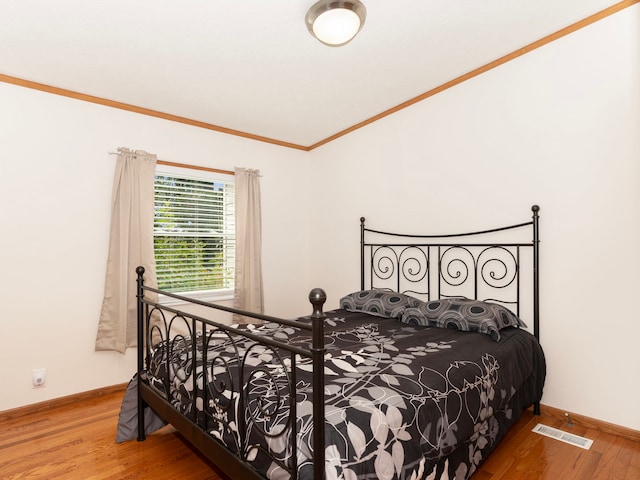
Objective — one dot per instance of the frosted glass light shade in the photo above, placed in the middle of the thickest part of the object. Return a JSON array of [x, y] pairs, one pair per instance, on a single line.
[[335, 23]]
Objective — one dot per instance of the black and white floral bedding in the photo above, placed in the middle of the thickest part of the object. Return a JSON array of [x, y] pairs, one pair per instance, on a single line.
[[402, 401]]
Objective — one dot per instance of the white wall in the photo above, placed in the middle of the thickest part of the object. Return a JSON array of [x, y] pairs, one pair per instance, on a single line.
[[559, 127], [55, 190]]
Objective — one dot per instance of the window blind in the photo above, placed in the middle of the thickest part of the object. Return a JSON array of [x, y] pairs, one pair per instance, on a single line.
[[194, 232]]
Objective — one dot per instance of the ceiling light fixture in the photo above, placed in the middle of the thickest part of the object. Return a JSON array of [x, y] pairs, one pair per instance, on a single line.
[[335, 23]]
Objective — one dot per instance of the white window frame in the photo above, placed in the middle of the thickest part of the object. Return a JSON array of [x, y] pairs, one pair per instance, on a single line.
[[204, 295]]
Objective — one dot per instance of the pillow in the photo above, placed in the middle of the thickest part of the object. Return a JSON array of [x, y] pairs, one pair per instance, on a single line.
[[463, 314], [381, 303]]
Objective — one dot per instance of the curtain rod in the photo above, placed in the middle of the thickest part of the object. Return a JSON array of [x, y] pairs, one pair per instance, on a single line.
[[192, 167]]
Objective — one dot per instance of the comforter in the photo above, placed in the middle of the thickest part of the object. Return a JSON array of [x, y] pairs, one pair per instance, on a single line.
[[402, 402]]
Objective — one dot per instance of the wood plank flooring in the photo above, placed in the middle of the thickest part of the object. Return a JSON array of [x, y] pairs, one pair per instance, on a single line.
[[76, 441]]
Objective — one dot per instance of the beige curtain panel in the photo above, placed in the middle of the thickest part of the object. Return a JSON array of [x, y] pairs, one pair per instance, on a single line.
[[248, 293], [130, 245]]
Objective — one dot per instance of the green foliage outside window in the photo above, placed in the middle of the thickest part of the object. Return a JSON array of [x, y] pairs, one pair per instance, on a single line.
[[193, 234]]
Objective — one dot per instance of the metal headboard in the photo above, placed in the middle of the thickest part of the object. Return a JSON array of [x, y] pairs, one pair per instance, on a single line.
[[494, 265]]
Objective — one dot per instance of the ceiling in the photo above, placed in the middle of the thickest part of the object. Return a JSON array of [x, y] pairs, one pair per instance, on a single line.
[[251, 65]]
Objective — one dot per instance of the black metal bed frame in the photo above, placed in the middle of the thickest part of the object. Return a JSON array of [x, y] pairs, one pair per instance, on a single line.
[[427, 266], [157, 321], [438, 266]]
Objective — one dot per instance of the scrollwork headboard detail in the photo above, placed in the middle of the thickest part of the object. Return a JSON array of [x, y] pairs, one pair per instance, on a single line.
[[498, 265]]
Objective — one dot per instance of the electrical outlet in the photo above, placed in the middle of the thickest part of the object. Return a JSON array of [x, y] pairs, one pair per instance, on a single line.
[[39, 377]]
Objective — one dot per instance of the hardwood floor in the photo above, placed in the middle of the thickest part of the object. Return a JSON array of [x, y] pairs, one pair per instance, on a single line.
[[76, 441]]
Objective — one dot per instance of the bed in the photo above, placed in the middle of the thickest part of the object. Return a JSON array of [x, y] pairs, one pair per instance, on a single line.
[[418, 375]]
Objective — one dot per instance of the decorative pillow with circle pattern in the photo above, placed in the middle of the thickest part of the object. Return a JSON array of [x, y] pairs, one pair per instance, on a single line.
[[463, 314], [381, 303]]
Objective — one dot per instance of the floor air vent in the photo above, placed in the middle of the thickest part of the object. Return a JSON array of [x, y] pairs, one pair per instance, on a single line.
[[563, 436]]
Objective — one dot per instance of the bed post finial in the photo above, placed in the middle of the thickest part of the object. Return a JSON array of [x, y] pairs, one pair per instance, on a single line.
[[317, 297]]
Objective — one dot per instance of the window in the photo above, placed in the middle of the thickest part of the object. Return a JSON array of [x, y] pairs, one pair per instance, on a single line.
[[194, 232]]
